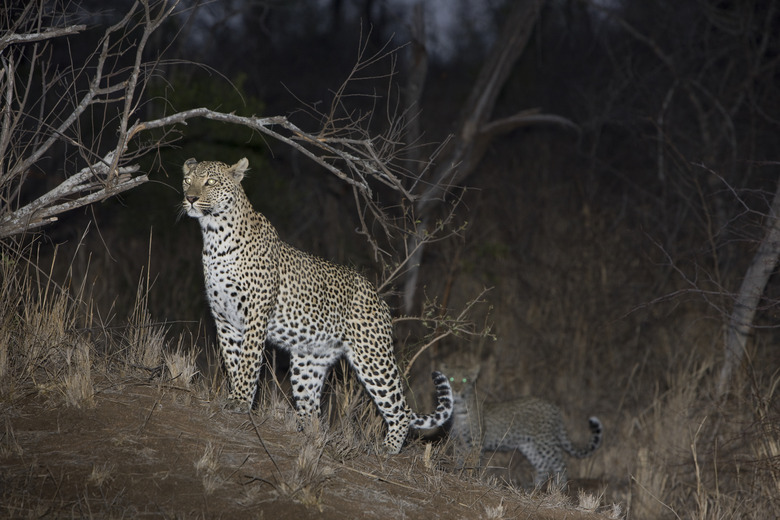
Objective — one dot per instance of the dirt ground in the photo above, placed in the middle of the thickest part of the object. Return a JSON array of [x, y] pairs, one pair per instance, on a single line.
[[145, 451]]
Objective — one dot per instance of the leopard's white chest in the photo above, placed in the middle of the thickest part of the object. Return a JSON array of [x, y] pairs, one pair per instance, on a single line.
[[227, 289]]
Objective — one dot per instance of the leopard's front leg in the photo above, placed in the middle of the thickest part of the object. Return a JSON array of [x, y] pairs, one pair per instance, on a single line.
[[242, 353]]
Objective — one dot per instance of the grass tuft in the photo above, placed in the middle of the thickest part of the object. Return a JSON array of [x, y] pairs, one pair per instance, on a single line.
[[308, 477], [207, 466], [181, 364], [102, 474], [145, 339], [77, 384]]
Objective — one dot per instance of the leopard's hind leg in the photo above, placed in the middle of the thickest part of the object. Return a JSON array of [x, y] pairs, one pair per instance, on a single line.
[[308, 372]]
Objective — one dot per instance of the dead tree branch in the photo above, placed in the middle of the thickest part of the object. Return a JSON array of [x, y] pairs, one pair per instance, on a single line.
[[740, 322], [105, 174], [85, 187], [463, 152]]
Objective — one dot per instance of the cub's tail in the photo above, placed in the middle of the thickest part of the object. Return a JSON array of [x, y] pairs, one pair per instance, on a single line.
[[597, 435], [443, 408]]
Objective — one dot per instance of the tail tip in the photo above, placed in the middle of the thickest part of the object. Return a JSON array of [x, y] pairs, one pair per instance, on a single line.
[[597, 429]]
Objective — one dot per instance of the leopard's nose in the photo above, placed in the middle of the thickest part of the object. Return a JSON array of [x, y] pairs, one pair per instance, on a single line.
[[192, 199]]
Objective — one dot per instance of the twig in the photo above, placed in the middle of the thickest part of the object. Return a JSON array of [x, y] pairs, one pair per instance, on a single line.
[[452, 327], [377, 477], [262, 443]]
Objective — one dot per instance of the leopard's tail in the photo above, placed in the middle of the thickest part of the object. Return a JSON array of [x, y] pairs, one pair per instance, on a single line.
[[443, 408], [597, 435]]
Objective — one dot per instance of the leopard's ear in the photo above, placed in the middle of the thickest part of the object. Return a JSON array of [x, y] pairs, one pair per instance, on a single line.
[[239, 169], [189, 165]]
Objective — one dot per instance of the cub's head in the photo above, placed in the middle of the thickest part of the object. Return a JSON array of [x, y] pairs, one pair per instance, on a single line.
[[463, 379], [211, 187]]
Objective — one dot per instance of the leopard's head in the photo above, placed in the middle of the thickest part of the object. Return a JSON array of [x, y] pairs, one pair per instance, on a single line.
[[211, 187]]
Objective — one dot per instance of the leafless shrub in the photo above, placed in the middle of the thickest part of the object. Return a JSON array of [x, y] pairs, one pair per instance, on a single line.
[[441, 325], [46, 105]]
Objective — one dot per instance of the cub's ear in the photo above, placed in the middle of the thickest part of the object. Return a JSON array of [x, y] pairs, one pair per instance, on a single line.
[[239, 169], [189, 165]]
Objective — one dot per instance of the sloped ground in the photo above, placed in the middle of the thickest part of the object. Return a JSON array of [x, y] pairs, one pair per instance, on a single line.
[[145, 451]]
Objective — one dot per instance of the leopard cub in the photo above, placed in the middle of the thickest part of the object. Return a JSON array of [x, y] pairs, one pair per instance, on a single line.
[[528, 424]]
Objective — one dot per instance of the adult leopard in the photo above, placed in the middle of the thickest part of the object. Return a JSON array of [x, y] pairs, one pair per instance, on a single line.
[[260, 287]]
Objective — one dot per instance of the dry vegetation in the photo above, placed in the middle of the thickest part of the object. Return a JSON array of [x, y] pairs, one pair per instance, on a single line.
[[132, 429], [125, 420]]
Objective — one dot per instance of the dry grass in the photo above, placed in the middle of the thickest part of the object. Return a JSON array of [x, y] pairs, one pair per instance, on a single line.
[[47, 335], [690, 457], [208, 466], [181, 364], [309, 475], [144, 339], [77, 385], [102, 474], [41, 343]]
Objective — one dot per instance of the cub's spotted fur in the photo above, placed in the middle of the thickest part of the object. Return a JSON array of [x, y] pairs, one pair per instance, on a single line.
[[528, 424], [260, 288]]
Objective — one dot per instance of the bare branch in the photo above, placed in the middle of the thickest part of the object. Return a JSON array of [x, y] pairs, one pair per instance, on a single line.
[[88, 185], [740, 323], [464, 151], [24, 145], [525, 118], [47, 34], [461, 325], [357, 155]]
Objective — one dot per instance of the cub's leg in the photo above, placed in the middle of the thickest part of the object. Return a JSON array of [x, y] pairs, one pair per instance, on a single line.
[[547, 462]]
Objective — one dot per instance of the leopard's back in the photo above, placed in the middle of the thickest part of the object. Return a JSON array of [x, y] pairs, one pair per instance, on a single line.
[[314, 302], [509, 424]]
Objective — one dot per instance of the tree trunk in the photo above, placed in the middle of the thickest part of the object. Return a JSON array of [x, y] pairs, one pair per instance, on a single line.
[[741, 320], [464, 151]]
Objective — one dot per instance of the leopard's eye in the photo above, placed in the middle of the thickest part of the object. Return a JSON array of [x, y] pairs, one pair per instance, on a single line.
[[452, 380], [465, 380], [186, 181], [211, 182]]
